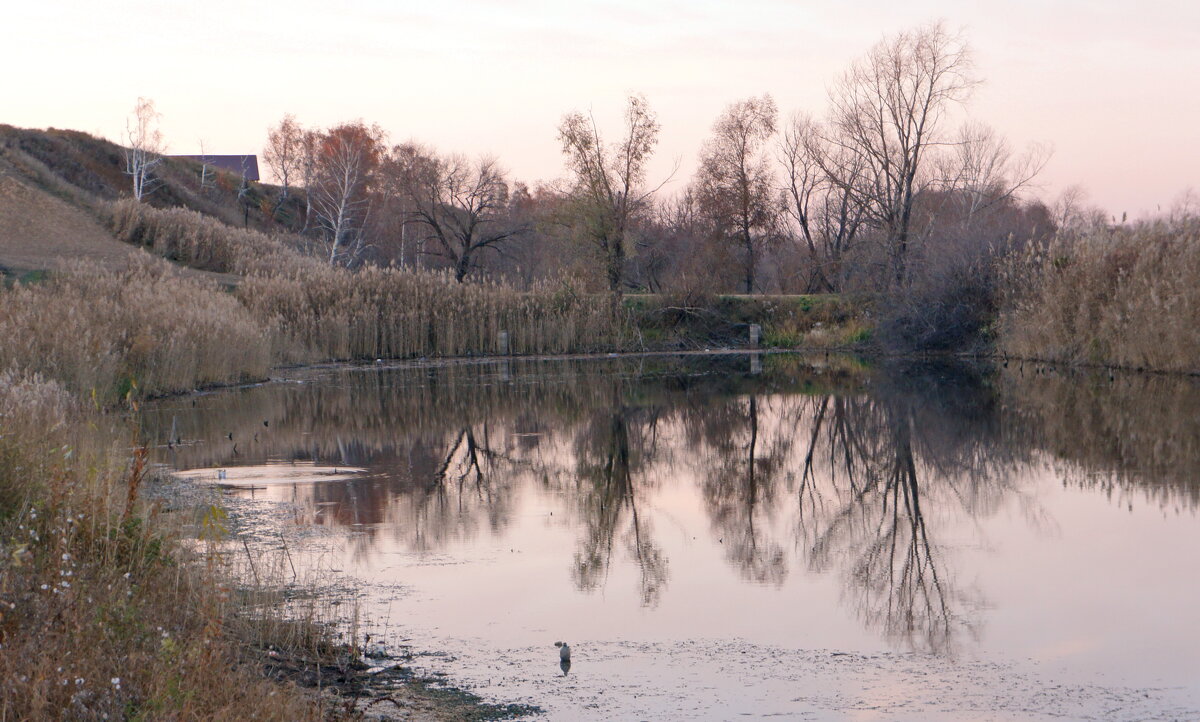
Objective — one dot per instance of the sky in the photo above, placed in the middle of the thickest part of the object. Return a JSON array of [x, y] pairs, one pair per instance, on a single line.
[[1113, 86]]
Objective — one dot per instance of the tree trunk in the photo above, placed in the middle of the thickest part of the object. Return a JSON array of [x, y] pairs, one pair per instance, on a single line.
[[616, 264], [749, 241]]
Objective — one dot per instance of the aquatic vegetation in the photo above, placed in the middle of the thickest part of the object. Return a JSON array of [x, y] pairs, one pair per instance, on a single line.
[[1126, 296]]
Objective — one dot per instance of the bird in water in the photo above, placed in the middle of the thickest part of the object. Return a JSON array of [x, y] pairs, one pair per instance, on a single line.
[[564, 657]]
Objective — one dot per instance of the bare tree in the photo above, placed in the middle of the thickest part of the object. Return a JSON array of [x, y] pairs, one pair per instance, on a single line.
[[206, 170], [310, 151], [284, 153], [145, 146], [346, 162], [984, 171], [822, 199], [1184, 207], [461, 206], [886, 114], [1072, 212], [736, 184], [609, 181]]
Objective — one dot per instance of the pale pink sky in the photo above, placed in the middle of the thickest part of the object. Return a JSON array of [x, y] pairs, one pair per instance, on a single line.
[[1113, 86]]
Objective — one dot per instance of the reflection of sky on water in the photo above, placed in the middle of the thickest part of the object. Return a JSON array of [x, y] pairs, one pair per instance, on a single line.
[[801, 509]]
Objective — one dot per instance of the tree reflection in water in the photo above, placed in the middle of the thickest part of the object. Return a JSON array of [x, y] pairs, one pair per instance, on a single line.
[[739, 488], [610, 490], [868, 511], [874, 467], [854, 473]]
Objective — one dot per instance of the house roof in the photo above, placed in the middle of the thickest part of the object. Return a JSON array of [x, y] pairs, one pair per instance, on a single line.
[[245, 166]]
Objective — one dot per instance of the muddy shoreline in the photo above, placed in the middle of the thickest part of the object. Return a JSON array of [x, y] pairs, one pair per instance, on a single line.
[[366, 681]]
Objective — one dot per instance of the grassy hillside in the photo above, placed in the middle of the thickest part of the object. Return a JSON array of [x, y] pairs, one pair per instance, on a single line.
[[85, 170], [58, 187]]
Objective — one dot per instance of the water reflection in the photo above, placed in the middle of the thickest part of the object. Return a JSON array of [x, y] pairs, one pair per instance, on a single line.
[[740, 487], [612, 449], [867, 475]]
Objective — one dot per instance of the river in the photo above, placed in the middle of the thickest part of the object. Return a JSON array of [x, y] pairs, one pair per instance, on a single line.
[[807, 537]]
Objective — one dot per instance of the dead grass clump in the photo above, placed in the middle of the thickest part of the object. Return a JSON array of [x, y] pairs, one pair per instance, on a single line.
[[201, 241], [103, 334], [33, 415], [1125, 297]]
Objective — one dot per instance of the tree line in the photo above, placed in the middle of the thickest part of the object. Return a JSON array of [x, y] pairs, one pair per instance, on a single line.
[[879, 192]]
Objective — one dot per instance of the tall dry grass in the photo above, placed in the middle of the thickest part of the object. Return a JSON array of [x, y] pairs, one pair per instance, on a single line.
[[330, 313], [101, 615], [102, 334], [201, 241], [1126, 297], [316, 312]]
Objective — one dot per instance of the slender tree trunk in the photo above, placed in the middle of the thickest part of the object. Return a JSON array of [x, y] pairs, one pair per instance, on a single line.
[[748, 239], [616, 264]]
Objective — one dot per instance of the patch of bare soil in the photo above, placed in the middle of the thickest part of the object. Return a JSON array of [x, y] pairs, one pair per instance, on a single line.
[[41, 232]]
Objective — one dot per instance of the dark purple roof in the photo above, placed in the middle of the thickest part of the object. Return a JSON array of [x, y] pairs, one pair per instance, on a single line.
[[245, 166]]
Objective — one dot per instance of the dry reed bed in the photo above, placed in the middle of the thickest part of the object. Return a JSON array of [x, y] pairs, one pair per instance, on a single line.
[[200, 241], [317, 312], [100, 334], [100, 615], [1126, 297], [330, 313]]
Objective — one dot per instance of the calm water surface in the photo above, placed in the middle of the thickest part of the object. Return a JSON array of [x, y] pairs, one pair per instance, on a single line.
[[728, 536]]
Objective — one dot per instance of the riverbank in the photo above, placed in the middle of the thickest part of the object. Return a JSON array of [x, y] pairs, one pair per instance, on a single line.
[[343, 676], [118, 601]]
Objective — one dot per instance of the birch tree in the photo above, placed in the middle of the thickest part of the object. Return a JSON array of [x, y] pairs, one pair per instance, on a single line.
[[310, 151], [144, 147], [347, 158], [284, 153], [206, 170]]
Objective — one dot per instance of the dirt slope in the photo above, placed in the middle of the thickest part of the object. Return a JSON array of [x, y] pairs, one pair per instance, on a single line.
[[41, 232]]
